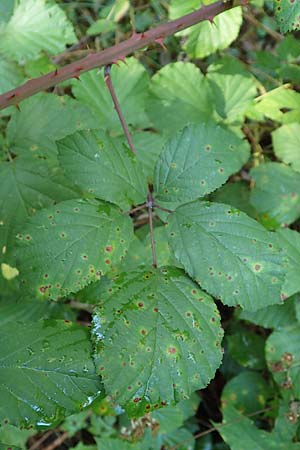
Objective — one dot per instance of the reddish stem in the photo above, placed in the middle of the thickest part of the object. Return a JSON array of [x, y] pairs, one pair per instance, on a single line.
[[115, 53]]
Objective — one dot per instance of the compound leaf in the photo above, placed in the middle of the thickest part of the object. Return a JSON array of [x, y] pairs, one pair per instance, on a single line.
[[165, 336], [64, 248], [287, 13], [276, 192], [46, 371], [52, 30], [230, 255], [103, 167], [196, 162]]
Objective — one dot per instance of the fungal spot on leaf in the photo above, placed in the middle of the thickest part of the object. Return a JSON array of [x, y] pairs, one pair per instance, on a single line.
[[208, 147], [28, 237], [46, 275], [143, 332], [84, 257], [63, 235], [76, 209], [129, 388], [19, 236], [137, 399], [283, 296], [42, 289], [194, 292], [107, 262], [221, 170], [188, 314], [108, 248], [50, 217], [58, 211], [287, 357], [257, 267], [140, 305], [172, 350], [173, 165], [155, 310]]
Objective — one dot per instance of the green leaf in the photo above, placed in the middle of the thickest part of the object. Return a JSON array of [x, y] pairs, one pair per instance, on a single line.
[[178, 95], [32, 130], [286, 142], [148, 147], [247, 392], [26, 184], [276, 192], [287, 13], [283, 354], [166, 342], [64, 248], [232, 88], [13, 438], [130, 82], [274, 104], [236, 194], [52, 30], [230, 255], [274, 316], [240, 432], [6, 10], [10, 75], [290, 241], [46, 372], [106, 443], [206, 38], [247, 348], [103, 167], [196, 162]]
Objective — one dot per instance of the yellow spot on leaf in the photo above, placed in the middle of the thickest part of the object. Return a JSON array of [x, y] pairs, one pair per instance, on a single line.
[[9, 272]]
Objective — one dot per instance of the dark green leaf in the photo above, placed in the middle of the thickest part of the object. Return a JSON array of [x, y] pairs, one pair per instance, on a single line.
[[46, 372], [165, 336], [64, 248], [103, 167], [196, 162], [230, 255]]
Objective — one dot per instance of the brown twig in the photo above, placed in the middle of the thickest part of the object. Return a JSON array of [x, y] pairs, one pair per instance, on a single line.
[[36, 444], [58, 441], [115, 100], [251, 19], [150, 204], [115, 53], [138, 208]]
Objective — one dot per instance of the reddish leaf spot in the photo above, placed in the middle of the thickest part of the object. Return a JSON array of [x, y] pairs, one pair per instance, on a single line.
[[155, 310], [137, 399], [257, 267], [107, 261], [172, 350], [140, 304], [108, 248]]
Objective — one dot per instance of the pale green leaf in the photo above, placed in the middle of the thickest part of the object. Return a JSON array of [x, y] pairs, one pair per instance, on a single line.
[[230, 255], [283, 354], [6, 10], [10, 75], [240, 433], [197, 161], [206, 38], [165, 336], [64, 248], [42, 120], [26, 184], [103, 167], [35, 25], [232, 89], [276, 192], [178, 95], [287, 13], [130, 82], [46, 372], [274, 104], [274, 316], [286, 142]]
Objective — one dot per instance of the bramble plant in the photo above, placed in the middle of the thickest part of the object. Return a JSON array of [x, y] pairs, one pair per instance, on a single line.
[[150, 197]]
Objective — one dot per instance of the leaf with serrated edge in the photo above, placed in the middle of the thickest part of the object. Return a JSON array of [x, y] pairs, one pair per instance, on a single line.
[[102, 167], [290, 241], [282, 355], [52, 30], [64, 248], [230, 255], [197, 161], [276, 192], [287, 13], [165, 337], [286, 143], [46, 371]]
